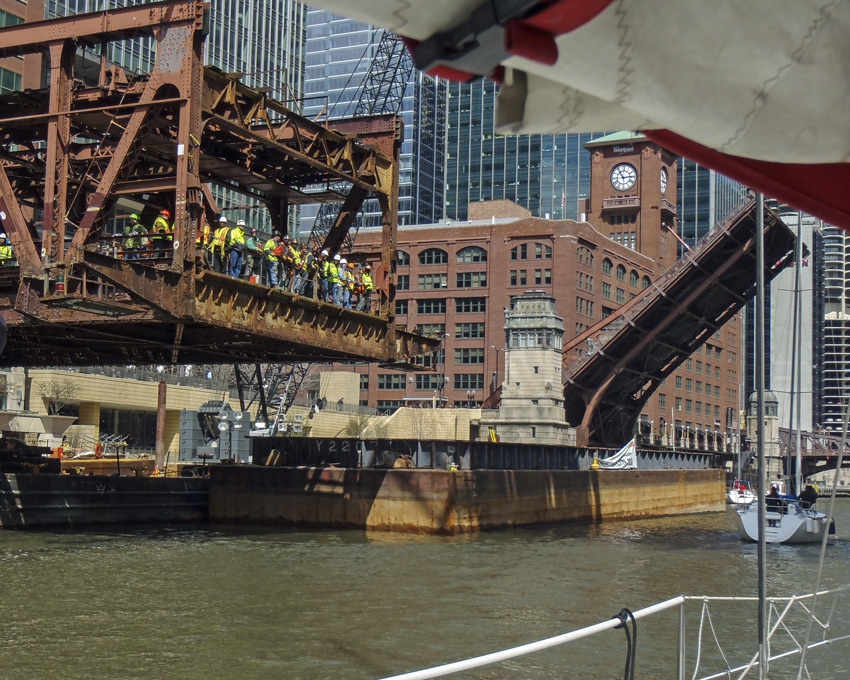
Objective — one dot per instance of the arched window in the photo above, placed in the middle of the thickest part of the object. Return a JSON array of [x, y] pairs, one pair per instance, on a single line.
[[471, 254], [403, 258], [433, 256], [646, 282], [621, 273], [633, 278], [607, 266]]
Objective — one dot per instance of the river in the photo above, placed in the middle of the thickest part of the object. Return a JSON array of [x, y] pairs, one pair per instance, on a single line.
[[225, 602]]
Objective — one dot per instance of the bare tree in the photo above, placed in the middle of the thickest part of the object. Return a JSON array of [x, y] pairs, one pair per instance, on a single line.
[[58, 394]]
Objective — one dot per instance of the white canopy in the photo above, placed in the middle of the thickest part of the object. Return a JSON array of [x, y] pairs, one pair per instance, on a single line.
[[755, 89]]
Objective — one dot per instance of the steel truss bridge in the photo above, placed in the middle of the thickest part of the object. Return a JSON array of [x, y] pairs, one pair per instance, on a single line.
[[70, 153], [612, 369]]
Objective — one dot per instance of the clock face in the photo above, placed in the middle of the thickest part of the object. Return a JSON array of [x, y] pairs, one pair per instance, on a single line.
[[623, 177], [663, 180]]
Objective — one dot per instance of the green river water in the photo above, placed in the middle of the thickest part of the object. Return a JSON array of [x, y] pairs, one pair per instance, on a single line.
[[231, 602]]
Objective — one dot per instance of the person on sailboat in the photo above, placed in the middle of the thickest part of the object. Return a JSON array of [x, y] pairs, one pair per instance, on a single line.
[[807, 496], [774, 501]]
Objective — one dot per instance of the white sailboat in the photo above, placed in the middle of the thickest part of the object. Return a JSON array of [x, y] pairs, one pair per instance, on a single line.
[[740, 493], [787, 519]]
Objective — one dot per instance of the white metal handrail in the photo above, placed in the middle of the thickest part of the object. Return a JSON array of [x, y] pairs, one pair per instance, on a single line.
[[679, 601]]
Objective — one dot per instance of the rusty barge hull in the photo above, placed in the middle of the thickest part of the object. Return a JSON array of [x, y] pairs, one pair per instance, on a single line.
[[454, 502]]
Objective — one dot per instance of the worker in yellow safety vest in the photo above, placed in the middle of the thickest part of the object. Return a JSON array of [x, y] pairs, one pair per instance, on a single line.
[[334, 281], [367, 285], [235, 249], [218, 246], [7, 255], [274, 251], [162, 230]]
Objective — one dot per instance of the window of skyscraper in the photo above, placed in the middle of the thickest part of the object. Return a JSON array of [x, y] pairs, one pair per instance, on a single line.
[[473, 279], [469, 381], [469, 355], [607, 266], [433, 306], [469, 330], [470, 305], [430, 281], [433, 256], [621, 273], [403, 258], [471, 254]]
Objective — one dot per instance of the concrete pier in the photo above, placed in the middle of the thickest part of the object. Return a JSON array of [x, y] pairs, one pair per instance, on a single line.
[[452, 502]]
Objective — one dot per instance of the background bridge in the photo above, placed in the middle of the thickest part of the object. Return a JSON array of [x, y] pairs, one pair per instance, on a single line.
[[623, 359]]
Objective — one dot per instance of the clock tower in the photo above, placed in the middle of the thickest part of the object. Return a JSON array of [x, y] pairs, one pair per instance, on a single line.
[[633, 195]]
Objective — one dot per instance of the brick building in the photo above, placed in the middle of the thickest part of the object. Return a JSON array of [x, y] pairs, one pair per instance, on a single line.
[[455, 280], [18, 73]]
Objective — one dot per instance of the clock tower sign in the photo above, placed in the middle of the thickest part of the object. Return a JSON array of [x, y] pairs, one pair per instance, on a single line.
[[633, 194]]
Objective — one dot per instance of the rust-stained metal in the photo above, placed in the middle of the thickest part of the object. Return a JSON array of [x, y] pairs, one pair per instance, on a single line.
[[649, 338], [70, 153]]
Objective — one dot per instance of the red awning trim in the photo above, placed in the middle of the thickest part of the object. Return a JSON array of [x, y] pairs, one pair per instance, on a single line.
[[818, 189], [476, 47], [522, 40]]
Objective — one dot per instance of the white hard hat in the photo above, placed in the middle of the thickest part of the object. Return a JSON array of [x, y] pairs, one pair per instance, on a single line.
[[222, 219], [343, 261], [240, 223], [325, 253], [336, 257]]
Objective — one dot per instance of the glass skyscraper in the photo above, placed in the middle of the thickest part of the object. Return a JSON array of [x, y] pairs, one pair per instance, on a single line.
[[339, 52], [546, 174], [260, 39]]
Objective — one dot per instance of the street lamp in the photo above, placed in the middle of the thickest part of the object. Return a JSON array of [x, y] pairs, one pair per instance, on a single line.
[[496, 366]]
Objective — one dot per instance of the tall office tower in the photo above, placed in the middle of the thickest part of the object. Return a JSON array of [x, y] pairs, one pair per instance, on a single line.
[[546, 174], [339, 52], [836, 327], [796, 357], [263, 40], [704, 198]]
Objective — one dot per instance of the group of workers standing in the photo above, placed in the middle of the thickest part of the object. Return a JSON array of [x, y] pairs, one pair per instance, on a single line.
[[278, 262], [283, 262]]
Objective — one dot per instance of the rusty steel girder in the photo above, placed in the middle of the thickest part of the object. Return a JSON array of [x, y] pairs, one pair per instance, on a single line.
[[71, 153]]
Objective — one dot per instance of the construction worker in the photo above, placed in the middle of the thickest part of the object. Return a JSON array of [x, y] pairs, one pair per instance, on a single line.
[[348, 281], [311, 269], [135, 239], [252, 255], [218, 246], [368, 285], [301, 256], [287, 263], [7, 255], [273, 250], [162, 230], [202, 240], [235, 249], [334, 285], [324, 263]]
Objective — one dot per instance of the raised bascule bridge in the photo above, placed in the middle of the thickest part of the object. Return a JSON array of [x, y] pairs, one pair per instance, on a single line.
[[612, 369], [75, 154]]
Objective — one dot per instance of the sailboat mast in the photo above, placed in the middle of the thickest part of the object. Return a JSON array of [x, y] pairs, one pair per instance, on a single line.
[[760, 337], [791, 460], [797, 364]]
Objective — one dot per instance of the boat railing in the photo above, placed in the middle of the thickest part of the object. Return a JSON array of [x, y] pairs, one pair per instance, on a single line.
[[781, 621]]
